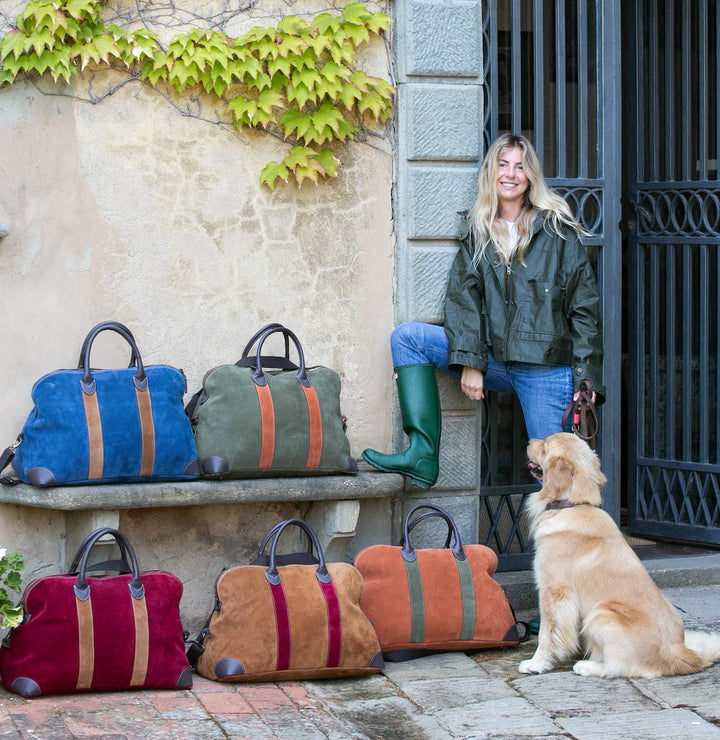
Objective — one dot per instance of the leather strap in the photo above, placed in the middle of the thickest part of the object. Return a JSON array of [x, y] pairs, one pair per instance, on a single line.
[[585, 422], [5, 459]]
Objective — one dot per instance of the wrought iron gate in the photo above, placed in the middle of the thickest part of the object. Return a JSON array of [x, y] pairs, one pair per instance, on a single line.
[[552, 72], [674, 241]]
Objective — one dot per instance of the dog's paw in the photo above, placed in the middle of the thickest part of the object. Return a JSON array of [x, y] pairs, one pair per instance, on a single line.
[[535, 665], [589, 668]]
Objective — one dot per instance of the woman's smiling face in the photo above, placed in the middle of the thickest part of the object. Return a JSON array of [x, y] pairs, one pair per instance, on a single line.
[[511, 182]]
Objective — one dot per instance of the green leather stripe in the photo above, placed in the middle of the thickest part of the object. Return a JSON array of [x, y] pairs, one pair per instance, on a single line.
[[467, 593], [417, 602]]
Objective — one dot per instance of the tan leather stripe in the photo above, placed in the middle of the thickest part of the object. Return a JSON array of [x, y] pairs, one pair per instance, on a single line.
[[147, 430], [95, 438], [267, 414], [86, 644], [316, 438], [142, 642]]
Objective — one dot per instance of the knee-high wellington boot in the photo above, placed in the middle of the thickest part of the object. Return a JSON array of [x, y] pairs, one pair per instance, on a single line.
[[420, 410]]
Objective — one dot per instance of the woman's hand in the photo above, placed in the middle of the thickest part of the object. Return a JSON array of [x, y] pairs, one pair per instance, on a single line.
[[577, 396], [471, 383]]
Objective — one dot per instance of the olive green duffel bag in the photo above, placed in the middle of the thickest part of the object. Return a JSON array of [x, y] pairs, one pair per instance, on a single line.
[[266, 416]]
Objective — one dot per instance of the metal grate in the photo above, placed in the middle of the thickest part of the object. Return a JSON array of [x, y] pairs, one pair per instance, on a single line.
[[550, 73], [674, 242]]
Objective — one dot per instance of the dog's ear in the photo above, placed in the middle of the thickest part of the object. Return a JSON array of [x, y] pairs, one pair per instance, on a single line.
[[557, 477]]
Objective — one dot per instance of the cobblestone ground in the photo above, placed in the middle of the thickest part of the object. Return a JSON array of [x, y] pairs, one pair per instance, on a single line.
[[449, 696]]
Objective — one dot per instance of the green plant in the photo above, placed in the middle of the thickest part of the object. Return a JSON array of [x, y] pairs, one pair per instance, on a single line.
[[296, 80], [10, 566]]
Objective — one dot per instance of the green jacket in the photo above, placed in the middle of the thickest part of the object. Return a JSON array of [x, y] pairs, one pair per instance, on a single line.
[[545, 311]]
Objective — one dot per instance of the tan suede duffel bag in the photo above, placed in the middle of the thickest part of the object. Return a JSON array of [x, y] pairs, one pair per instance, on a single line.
[[287, 622]]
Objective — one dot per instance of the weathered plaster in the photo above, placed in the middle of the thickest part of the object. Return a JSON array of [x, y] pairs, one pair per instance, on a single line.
[[128, 210]]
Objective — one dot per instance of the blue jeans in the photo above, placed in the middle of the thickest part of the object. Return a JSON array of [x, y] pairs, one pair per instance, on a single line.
[[544, 391]]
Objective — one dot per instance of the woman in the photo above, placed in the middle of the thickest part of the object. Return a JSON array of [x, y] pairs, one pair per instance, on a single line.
[[521, 313]]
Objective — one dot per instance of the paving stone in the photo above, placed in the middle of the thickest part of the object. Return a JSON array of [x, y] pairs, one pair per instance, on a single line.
[[442, 665], [393, 718], [371, 687], [445, 693], [698, 606], [497, 718], [503, 663], [664, 724], [699, 691], [564, 693]]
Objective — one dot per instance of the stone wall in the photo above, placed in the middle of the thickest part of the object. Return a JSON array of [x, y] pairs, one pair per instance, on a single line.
[[135, 209]]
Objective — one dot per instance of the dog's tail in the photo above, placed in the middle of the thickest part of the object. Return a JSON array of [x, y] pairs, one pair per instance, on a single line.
[[705, 644]]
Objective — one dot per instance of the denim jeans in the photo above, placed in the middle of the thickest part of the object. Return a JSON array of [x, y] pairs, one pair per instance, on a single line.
[[544, 391]]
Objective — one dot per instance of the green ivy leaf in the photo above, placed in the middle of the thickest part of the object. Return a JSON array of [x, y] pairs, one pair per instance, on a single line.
[[272, 172], [379, 22], [349, 95], [291, 23], [298, 156], [356, 13], [242, 109], [329, 162], [98, 50], [295, 123], [334, 71], [42, 40], [326, 24], [281, 64], [299, 94], [357, 34], [327, 116], [371, 102], [268, 99], [12, 43], [291, 45]]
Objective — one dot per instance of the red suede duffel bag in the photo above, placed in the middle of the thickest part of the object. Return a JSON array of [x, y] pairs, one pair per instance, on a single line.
[[98, 633]]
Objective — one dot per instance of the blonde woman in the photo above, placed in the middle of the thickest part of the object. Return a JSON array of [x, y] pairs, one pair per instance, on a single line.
[[521, 313]]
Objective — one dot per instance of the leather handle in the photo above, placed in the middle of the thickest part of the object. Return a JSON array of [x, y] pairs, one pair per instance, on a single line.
[[81, 587], [419, 519], [73, 569], [118, 327], [259, 333], [258, 374], [321, 572], [408, 551], [87, 382]]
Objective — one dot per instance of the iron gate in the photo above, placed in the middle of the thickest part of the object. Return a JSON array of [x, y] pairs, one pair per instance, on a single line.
[[674, 239], [552, 72]]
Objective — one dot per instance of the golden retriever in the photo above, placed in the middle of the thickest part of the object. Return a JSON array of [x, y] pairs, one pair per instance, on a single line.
[[596, 598]]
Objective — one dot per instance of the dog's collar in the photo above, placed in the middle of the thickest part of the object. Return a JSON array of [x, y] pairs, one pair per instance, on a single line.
[[565, 504]]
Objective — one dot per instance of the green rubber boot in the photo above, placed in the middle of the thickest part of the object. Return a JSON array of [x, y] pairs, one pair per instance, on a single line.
[[420, 410]]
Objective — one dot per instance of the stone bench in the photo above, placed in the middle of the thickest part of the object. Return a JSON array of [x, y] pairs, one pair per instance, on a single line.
[[333, 512], [197, 528]]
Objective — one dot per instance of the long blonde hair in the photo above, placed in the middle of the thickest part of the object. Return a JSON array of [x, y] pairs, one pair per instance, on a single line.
[[485, 218]]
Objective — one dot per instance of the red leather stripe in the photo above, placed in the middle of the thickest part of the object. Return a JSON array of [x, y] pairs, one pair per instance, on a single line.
[[267, 416], [316, 437], [334, 628], [282, 625]]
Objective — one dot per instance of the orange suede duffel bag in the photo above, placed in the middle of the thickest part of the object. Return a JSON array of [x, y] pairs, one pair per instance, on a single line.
[[290, 621], [424, 601]]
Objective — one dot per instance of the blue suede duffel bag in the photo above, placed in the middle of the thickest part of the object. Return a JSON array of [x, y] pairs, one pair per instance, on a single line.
[[106, 426]]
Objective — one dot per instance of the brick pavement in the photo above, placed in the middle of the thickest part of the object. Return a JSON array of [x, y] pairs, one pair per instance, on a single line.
[[455, 696]]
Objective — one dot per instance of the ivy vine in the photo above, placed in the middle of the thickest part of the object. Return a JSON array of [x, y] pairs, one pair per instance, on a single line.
[[295, 80]]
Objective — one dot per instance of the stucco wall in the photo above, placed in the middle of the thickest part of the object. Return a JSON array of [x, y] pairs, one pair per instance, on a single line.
[[128, 210]]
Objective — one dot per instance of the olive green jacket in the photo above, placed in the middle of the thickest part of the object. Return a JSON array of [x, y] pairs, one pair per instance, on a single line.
[[544, 310]]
